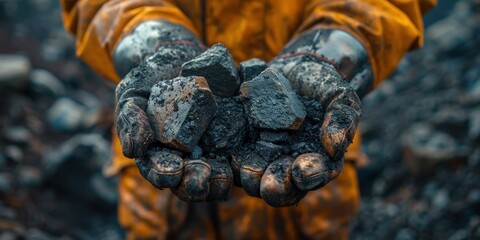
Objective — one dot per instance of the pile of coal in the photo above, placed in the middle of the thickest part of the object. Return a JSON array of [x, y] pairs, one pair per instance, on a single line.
[[208, 115], [420, 129]]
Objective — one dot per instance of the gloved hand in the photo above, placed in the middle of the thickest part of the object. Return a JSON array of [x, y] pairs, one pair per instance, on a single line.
[[165, 46], [331, 66]]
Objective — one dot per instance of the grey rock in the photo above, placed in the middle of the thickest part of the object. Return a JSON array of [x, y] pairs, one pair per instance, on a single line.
[[8, 236], [66, 115], [57, 46], [180, 110], [406, 234], [36, 234], [424, 147], [18, 135], [43, 83], [271, 103], [14, 71], [474, 196], [474, 125], [87, 99], [76, 167], [441, 199], [30, 176], [6, 182], [251, 68], [87, 147], [452, 119], [3, 161], [454, 31], [7, 213], [217, 66], [93, 106], [14, 153], [104, 188], [459, 235]]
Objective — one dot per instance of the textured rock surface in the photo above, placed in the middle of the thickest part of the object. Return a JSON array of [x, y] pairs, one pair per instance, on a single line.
[[180, 110], [274, 137], [271, 103], [251, 68], [227, 128], [268, 151], [218, 67]]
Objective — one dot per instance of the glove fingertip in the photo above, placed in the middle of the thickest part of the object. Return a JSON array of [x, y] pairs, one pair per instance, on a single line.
[[309, 171], [194, 186], [276, 186], [221, 180]]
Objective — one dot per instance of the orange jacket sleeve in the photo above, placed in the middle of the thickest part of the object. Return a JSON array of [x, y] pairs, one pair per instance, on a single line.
[[387, 29], [98, 25]]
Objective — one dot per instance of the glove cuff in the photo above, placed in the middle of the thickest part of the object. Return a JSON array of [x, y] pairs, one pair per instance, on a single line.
[[337, 48], [147, 38]]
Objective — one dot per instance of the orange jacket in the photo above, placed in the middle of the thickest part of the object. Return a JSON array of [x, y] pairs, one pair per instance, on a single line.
[[250, 28]]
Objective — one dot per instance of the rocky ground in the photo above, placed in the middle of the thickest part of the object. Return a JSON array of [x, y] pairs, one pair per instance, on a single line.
[[421, 130], [55, 120]]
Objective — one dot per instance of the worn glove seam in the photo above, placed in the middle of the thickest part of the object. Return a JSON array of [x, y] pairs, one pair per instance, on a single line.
[[318, 57]]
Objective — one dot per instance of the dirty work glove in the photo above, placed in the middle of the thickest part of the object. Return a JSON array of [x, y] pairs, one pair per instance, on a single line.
[[165, 46], [331, 66]]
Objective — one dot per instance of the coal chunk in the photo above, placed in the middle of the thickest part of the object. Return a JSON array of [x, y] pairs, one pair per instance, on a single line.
[[271, 103], [274, 137], [180, 110], [227, 128], [268, 151], [218, 67], [251, 68]]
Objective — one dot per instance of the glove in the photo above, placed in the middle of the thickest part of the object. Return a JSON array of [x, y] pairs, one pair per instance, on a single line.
[[331, 66], [172, 45], [165, 46]]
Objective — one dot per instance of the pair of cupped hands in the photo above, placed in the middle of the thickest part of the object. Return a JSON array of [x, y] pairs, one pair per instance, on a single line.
[[310, 171]]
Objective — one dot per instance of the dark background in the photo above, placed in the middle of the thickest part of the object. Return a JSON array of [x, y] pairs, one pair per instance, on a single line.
[[421, 130]]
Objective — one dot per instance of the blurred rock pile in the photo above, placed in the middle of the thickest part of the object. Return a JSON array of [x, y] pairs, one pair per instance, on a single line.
[[55, 121], [421, 130]]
